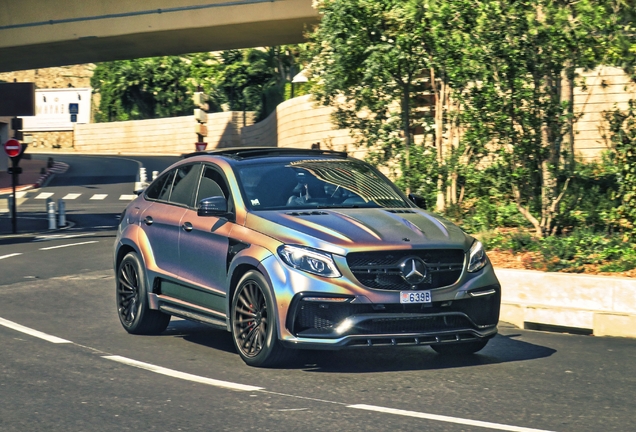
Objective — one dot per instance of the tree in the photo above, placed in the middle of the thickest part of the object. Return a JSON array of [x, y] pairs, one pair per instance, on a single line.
[[369, 62], [143, 88], [530, 52]]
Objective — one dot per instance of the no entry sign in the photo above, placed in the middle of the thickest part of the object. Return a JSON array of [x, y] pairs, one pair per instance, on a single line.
[[12, 147]]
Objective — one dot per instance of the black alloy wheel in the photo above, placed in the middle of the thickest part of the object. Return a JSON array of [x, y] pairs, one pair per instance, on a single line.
[[134, 312], [254, 323]]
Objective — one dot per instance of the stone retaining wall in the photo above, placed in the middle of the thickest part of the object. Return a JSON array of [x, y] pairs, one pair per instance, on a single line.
[[605, 306]]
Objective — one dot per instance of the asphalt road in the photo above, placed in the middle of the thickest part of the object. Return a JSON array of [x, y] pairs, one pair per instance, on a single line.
[[82, 372]]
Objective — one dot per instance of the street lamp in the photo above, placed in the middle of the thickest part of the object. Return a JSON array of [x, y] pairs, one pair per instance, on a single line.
[[300, 77]]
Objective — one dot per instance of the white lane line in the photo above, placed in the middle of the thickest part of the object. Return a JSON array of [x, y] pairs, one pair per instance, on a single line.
[[182, 375], [446, 419], [61, 236], [99, 197], [68, 245], [72, 196], [10, 255], [35, 333], [127, 197], [21, 194], [44, 195]]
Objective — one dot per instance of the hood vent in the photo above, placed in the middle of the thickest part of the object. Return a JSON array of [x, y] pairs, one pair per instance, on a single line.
[[307, 213], [400, 211]]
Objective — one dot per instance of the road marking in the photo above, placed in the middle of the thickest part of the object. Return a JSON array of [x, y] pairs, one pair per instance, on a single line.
[[128, 197], [35, 333], [446, 419], [99, 197], [10, 255], [68, 245], [242, 387], [182, 375], [72, 196], [61, 236], [44, 195], [19, 195]]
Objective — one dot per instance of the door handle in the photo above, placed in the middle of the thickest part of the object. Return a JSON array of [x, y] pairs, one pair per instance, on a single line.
[[148, 220], [187, 226]]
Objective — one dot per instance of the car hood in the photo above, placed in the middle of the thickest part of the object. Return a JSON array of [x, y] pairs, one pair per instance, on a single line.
[[342, 231]]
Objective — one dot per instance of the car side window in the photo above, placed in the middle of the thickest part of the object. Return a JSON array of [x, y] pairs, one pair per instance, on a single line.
[[160, 188], [184, 184], [213, 184]]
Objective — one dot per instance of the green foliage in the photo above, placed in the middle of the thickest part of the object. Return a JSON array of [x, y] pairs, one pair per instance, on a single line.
[[250, 79], [622, 130], [142, 89]]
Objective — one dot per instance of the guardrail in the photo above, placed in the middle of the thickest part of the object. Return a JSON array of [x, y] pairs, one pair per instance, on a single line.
[[598, 305]]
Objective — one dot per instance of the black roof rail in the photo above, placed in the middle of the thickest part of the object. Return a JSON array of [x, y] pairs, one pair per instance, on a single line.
[[250, 152]]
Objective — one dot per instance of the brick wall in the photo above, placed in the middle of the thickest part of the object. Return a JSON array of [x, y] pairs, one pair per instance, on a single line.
[[605, 87], [173, 135], [300, 122]]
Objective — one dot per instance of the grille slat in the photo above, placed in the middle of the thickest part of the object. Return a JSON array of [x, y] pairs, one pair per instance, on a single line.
[[380, 270]]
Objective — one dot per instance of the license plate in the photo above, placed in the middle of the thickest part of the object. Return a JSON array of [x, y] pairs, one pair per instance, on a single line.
[[415, 296]]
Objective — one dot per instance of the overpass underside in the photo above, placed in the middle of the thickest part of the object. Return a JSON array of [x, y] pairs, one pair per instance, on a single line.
[[36, 33]]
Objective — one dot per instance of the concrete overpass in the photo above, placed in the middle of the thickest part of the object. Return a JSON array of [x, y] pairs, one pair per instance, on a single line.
[[37, 33]]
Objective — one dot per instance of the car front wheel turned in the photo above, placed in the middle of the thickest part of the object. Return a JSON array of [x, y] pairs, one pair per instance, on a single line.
[[254, 323]]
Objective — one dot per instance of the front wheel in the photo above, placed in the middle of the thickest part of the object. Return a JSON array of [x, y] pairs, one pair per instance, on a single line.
[[463, 348], [254, 322], [132, 299]]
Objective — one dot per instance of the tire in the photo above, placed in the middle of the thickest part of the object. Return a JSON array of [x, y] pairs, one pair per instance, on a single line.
[[464, 348], [131, 294], [254, 323]]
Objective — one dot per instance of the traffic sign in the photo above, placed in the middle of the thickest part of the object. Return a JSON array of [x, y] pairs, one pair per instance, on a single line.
[[12, 147], [201, 146]]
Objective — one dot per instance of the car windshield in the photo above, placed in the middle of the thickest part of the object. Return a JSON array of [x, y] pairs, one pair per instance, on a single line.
[[316, 183]]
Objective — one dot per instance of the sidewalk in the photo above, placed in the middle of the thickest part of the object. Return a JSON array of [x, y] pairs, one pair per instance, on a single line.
[[34, 173]]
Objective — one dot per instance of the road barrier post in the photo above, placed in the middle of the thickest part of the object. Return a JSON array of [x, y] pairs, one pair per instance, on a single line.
[[61, 209], [50, 210]]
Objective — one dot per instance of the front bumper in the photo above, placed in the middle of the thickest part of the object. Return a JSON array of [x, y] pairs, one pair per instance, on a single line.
[[317, 324]]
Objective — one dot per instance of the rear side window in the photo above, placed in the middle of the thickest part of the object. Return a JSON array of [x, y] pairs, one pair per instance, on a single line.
[[160, 188], [185, 183]]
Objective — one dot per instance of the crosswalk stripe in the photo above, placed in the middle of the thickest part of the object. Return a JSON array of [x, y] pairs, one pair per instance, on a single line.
[[72, 196], [44, 195], [21, 194], [128, 197], [99, 196]]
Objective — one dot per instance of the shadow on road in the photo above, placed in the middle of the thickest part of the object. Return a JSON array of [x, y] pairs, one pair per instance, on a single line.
[[504, 348]]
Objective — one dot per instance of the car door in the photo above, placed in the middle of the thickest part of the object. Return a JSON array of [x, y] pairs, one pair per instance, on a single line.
[[203, 245], [161, 221]]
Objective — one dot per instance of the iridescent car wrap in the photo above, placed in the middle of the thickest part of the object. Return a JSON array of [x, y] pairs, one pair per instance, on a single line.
[[333, 254]]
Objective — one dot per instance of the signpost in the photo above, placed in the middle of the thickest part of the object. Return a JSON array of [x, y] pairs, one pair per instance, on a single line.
[[14, 149]]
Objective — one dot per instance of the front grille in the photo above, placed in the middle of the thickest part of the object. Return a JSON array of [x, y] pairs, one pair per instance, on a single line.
[[414, 325], [380, 270]]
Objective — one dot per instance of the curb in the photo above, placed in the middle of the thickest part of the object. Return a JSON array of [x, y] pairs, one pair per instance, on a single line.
[[57, 168]]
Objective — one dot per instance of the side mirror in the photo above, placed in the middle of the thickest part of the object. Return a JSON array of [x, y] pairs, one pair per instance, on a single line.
[[418, 200], [213, 206]]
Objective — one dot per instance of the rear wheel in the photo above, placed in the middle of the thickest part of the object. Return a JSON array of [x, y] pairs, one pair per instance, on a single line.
[[132, 299], [459, 348], [254, 323]]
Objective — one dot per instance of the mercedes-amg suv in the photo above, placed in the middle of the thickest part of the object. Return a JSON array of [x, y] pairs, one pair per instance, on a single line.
[[306, 249]]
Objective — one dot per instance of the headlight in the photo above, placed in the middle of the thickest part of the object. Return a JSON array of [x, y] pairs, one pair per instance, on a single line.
[[477, 258], [309, 260]]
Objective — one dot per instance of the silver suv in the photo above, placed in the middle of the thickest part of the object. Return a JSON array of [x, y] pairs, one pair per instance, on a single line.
[[305, 249]]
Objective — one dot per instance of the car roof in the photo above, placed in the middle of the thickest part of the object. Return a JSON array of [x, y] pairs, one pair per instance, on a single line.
[[242, 153]]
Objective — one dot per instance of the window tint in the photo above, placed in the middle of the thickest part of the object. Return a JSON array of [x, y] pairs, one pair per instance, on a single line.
[[184, 185], [160, 188], [213, 184]]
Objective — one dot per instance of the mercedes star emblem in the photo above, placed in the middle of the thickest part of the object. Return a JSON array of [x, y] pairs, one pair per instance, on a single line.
[[413, 270]]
